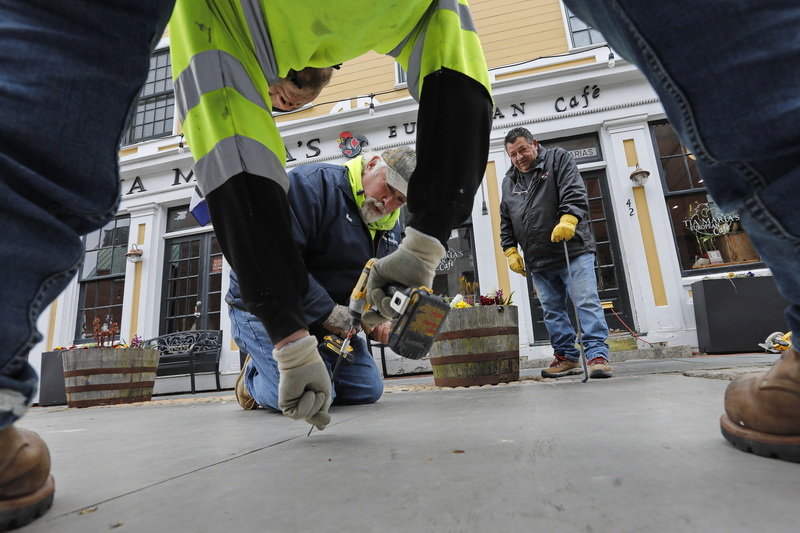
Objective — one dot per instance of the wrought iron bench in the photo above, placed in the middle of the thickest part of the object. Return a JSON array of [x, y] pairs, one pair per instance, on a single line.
[[188, 352]]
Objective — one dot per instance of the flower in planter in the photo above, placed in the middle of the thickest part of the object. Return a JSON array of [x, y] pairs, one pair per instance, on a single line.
[[473, 298]]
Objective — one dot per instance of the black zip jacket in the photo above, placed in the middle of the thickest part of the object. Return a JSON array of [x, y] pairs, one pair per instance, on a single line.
[[527, 218]]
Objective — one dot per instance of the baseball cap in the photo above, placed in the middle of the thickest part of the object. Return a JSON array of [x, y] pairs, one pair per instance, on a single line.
[[401, 162]]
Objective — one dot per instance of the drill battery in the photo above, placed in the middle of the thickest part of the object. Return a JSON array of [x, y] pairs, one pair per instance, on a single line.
[[418, 315]]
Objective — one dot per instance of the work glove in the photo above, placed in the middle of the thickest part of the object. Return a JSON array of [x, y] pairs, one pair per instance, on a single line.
[[515, 261], [413, 265], [338, 322], [565, 229], [304, 390]]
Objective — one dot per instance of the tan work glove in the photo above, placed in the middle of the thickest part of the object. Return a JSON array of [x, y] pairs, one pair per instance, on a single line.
[[304, 389], [515, 261], [413, 264], [565, 229]]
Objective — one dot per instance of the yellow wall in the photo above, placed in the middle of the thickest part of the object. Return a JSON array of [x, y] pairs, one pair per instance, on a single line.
[[511, 31]]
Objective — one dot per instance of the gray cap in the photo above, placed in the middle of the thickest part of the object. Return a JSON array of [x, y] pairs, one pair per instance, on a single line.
[[401, 162]]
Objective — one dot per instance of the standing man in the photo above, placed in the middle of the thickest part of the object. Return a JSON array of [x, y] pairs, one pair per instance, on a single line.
[[227, 55], [342, 215], [545, 202]]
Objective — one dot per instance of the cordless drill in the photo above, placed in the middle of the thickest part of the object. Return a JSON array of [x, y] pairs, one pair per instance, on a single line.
[[418, 315]]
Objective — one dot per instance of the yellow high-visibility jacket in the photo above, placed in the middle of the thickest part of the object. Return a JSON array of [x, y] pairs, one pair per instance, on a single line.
[[225, 53]]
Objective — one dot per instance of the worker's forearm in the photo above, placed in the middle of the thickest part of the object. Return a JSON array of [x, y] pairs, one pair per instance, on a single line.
[[252, 222], [453, 127]]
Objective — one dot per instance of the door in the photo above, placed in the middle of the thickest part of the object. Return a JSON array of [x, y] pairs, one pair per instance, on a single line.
[[192, 295], [609, 267]]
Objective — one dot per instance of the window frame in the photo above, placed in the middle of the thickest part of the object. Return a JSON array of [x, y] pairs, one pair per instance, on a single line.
[[569, 16], [84, 283], [149, 100], [400, 76], [692, 190]]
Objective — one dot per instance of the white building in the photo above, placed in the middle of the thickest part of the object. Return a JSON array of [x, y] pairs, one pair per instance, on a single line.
[[649, 244]]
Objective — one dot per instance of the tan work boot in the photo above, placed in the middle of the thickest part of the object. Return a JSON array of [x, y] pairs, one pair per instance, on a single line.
[[26, 486], [247, 402], [762, 411], [599, 367], [559, 367]]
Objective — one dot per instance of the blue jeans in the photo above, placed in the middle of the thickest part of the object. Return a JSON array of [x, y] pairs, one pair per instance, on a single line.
[[552, 288], [359, 383], [727, 73], [71, 73]]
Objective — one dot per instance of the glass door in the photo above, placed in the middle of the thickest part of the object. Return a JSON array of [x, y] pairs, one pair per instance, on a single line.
[[192, 295]]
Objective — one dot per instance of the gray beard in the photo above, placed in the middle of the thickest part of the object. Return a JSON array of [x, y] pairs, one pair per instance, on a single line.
[[367, 214]]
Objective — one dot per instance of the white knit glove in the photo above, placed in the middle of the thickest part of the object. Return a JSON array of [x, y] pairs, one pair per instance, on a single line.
[[413, 265], [304, 391]]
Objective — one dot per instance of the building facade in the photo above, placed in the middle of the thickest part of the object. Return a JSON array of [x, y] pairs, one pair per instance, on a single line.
[[550, 73]]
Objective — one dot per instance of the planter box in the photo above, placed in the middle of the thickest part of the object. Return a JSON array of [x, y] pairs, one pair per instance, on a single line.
[[735, 315], [107, 376], [477, 346]]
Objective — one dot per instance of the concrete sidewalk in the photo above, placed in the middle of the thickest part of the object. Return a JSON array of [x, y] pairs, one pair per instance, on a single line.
[[639, 452]]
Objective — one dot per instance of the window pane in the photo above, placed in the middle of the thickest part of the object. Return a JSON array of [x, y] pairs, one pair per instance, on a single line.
[[180, 218], [577, 24], [581, 39], [157, 99], [676, 175], [89, 265], [92, 240], [705, 236], [667, 140], [582, 33]]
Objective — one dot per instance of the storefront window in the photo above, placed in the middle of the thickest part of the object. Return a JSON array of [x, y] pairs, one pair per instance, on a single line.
[[102, 277], [705, 236], [459, 261]]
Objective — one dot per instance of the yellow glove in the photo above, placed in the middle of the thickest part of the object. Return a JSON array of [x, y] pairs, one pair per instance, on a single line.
[[565, 229], [515, 261]]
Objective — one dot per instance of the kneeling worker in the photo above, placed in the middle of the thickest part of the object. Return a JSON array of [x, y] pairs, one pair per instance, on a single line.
[[342, 215]]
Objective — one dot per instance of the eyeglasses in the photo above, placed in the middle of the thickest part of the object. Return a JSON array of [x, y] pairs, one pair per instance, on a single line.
[[521, 190], [292, 77]]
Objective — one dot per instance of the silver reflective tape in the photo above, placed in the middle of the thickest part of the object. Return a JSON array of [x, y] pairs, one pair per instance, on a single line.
[[234, 155], [209, 71], [415, 58], [256, 23]]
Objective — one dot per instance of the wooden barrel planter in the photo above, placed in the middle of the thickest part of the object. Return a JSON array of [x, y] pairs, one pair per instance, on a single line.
[[477, 346], [107, 376]]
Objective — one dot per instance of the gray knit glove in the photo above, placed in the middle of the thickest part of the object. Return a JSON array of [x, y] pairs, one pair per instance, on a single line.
[[338, 322], [304, 391], [413, 265]]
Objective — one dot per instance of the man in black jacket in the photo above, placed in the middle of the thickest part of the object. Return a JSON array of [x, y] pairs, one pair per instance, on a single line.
[[545, 202]]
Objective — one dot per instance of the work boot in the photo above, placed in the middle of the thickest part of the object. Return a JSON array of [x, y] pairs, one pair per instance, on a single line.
[[247, 402], [762, 411], [559, 367], [26, 486], [599, 367]]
